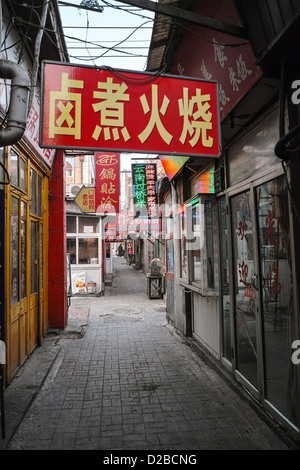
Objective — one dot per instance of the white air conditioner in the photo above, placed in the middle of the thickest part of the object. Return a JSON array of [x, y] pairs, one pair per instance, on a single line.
[[73, 189]]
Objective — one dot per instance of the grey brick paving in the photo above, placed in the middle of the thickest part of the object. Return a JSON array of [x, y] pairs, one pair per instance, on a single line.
[[129, 384]]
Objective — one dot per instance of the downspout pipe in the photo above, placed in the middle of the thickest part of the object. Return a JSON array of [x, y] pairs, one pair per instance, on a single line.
[[18, 105]]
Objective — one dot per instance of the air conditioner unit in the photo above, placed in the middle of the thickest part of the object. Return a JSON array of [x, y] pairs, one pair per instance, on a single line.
[[73, 189]]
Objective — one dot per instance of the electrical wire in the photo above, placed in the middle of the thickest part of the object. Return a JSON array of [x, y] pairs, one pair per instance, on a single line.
[[114, 48], [183, 26], [86, 36], [49, 30], [127, 10], [124, 40]]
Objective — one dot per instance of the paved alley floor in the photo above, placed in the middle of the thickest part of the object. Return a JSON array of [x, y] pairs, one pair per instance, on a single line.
[[128, 383]]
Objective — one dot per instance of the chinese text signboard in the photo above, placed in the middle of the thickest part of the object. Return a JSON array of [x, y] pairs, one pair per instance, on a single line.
[[107, 190], [112, 234], [31, 135], [144, 183], [224, 58], [126, 224], [86, 199], [114, 110]]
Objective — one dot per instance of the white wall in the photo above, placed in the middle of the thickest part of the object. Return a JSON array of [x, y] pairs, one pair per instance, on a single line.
[[92, 274], [206, 324]]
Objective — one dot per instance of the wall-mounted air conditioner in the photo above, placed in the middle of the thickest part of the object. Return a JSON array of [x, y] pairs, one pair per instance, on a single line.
[[73, 189]]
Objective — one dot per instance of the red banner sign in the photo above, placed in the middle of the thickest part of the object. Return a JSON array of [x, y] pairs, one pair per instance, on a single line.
[[114, 110], [107, 191], [224, 58]]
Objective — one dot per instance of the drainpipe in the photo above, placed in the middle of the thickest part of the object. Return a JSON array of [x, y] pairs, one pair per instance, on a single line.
[[17, 112]]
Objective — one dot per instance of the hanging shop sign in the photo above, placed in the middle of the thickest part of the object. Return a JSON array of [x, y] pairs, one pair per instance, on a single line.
[[144, 183], [112, 234], [204, 183], [117, 110], [172, 164], [226, 59], [31, 134], [127, 222], [107, 178], [85, 199]]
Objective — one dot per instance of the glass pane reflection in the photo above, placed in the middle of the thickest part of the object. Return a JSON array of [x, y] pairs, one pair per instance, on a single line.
[[281, 375]]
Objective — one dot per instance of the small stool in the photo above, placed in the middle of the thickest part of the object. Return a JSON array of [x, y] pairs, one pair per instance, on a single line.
[[2, 401], [154, 286]]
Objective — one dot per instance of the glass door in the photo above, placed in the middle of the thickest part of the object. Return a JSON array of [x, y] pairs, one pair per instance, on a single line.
[[245, 285], [264, 319], [280, 326], [225, 282]]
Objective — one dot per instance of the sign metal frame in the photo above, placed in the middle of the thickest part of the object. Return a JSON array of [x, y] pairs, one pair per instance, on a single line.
[[163, 84]]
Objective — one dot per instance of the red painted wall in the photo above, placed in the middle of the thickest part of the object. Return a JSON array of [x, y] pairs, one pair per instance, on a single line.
[[57, 270], [206, 53]]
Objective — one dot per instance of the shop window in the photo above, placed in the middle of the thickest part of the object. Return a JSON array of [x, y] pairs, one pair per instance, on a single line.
[[33, 195], [18, 249], [22, 174], [36, 193], [87, 250], [88, 225], [34, 263], [278, 316], [23, 248], [183, 242], [17, 171], [198, 239], [71, 224], [39, 196], [209, 245], [83, 249], [14, 168], [14, 251], [71, 249]]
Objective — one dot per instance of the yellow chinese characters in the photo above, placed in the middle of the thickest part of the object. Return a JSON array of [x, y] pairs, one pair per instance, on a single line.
[[155, 118], [112, 110], [65, 101], [196, 126], [108, 188], [188, 118]]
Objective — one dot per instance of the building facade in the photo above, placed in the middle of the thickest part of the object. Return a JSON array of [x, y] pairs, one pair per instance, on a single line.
[[84, 230], [233, 281], [25, 187]]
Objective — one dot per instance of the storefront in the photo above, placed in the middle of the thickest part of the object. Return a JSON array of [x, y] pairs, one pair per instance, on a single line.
[[25, 184], [258, 280], [236, 255], [85, 246], [230, 261], [26, 254]]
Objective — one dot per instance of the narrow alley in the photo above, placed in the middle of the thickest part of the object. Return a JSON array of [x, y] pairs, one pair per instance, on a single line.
[[129, 383]]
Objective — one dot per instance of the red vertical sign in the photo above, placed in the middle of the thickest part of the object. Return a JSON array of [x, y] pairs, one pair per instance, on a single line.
[[107, 190]]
